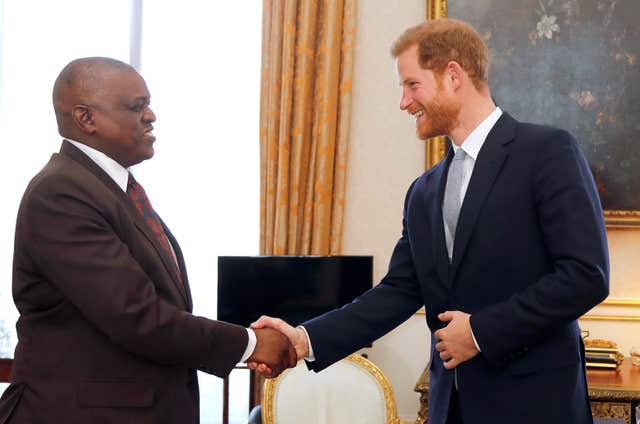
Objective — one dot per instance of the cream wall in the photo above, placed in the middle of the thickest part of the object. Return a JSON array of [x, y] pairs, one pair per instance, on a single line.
[[384, 158], [624, 250]]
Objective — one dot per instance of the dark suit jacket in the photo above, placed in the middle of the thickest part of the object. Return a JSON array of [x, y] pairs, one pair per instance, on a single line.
[[105, 333], [530, 256]]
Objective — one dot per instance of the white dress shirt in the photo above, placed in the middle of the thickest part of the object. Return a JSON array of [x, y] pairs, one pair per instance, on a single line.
[[120, 175], [471, 146]]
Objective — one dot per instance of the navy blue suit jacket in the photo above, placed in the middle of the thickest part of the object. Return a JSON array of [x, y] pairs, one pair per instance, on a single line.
[[530, 257]]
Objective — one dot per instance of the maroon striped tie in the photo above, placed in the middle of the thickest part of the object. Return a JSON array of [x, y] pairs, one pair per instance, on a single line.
[[143, 205]]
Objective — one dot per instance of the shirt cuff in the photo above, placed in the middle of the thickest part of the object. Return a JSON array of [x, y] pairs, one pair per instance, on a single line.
[[251, 345], [310, 357], [475, 341]]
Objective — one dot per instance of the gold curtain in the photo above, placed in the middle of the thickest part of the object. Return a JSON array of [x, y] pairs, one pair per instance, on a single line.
[[307, 65]]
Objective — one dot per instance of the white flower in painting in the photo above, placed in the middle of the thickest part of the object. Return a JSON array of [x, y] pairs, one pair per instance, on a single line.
[[585, 99], [547, 26]]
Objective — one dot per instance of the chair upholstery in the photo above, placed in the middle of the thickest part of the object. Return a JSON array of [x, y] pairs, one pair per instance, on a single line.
[[353, 390]]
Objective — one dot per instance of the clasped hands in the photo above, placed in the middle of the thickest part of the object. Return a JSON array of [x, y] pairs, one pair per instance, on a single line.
[[273, 335], [273, 351]]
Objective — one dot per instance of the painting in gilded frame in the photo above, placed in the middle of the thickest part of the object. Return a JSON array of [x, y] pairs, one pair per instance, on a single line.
[[573, 64]]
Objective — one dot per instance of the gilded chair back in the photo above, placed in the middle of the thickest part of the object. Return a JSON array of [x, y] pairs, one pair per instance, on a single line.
[[353, 390]]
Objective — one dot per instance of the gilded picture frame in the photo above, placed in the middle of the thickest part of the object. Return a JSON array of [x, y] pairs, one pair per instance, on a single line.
[[596, 102]]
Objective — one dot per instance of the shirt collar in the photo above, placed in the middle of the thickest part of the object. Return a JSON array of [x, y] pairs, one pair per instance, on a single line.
[[473, 143], [113, 169]]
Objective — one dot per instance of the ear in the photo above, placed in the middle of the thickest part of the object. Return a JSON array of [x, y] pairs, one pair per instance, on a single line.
[[83, 118], [454, 74]]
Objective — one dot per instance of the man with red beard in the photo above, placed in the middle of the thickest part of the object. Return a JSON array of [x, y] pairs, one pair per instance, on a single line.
[[503, 242]]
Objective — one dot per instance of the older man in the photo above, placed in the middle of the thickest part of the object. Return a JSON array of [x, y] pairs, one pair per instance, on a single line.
[[105, 332]]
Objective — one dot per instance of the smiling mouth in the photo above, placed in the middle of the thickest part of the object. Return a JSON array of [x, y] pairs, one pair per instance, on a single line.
[[415, 109], [416, 113]]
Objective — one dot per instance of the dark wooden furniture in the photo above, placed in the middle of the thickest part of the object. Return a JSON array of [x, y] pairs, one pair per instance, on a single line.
[[613, 393], [255, 391], [5, 369]]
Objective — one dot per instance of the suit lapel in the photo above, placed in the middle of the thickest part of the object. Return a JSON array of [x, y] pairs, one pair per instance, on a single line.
[[439, 243], [181, 265], [167, 260], [487, 167], [71, 151]]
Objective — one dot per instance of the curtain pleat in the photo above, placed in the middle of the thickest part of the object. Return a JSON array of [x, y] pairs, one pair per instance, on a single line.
[[307, 63]]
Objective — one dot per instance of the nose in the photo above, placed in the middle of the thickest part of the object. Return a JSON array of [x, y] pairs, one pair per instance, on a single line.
[[148, 115], [405, 100]]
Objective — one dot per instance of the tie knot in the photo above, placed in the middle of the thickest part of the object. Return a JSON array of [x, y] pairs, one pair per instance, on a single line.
[[130, 182], [460, 154]]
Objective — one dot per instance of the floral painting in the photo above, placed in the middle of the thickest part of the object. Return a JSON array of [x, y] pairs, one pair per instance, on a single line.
[[573, 64]]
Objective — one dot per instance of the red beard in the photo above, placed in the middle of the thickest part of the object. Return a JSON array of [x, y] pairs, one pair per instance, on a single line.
[[440, 117]]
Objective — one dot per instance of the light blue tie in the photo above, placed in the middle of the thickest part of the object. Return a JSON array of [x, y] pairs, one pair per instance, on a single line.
[[453, 198]]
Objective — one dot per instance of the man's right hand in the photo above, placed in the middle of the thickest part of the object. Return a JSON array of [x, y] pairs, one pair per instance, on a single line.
[[274, 351], [296, 336]]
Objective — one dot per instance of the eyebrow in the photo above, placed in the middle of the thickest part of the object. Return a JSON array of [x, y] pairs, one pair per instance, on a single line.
[[138, 100]]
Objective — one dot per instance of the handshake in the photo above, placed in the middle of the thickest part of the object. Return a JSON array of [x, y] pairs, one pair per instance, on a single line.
[[279, 346]]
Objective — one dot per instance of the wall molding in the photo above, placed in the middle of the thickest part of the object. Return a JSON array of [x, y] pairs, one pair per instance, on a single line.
[[595, 317], [621, 302], [616, 302]]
